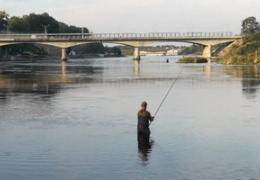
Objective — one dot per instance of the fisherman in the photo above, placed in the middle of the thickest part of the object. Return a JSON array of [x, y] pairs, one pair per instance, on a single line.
[[144, 118]]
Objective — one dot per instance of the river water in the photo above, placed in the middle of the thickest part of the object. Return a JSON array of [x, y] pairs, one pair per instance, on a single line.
[[77, 120]]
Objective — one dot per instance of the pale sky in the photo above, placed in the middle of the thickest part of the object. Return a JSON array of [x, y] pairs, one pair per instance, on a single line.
[[102, 16]]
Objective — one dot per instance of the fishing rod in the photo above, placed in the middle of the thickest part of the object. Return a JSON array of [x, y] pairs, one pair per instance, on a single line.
[[167, 94]]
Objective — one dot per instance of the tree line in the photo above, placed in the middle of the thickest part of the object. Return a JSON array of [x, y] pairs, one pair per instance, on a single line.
[[39, 23], [36, 23]]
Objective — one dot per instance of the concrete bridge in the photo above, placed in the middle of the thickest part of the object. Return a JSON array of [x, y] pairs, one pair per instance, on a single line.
[[135, 40]]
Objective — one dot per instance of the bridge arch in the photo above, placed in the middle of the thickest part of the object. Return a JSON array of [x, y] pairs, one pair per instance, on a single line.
[[61, 45]]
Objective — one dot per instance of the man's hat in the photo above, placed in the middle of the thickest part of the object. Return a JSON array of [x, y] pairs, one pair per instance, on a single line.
[[143, 104]]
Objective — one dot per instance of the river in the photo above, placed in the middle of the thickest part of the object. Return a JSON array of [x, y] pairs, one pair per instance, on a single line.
[[77, 120]]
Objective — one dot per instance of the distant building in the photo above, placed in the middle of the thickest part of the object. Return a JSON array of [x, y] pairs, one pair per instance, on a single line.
[[172, 52], [72, 53], [143, 53], [157, 53]]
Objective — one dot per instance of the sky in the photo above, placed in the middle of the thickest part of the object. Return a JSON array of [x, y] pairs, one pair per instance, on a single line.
[[142, 16]]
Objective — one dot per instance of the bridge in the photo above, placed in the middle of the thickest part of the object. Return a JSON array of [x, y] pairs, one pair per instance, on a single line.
[[135, 40]]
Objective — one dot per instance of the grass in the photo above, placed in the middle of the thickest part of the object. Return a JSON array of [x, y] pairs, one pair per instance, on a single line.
[[245, 51], [194, 59]]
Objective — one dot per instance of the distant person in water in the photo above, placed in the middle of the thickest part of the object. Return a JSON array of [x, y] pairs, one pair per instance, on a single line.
[[144, 118]]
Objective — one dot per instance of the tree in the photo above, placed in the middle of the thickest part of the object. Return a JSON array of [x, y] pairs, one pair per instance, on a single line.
[[37, 21], [3, 19], [19, 24], [115, 50], [34, 23], [4, 15], [250, 26], [95, 48], [193, 49], [64, 28]]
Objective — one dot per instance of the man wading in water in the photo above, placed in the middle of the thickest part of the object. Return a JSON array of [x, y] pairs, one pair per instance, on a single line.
[[144, 119]]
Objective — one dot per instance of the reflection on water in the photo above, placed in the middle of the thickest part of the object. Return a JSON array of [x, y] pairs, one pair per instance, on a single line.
[[208, 71], [77, 120], [136, 68], [249, 76], [144, 147], [64, 68], [44, 77]]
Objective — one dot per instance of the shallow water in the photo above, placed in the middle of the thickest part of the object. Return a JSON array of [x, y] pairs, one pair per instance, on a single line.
[[77, 120]]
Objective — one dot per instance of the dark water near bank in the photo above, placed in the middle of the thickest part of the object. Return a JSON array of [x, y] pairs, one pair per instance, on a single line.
[[77, 120]]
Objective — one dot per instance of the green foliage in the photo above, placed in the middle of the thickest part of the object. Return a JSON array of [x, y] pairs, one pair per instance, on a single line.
[[244, 53], [20, 24], [95, 48], [250, 26], [247, 50], [193, 60], [64, 28], [251, 38], [36, 23], [3, 19], [193, 49], [4, 15], [115, 50], [23, 48], [238, 60]]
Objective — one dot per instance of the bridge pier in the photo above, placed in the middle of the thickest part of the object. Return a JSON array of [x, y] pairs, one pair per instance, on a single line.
[[207, 52], [63, 54], [136, 55]]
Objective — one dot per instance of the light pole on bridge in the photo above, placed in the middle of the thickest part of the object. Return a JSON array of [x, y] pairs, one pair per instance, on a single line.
[[82, 32], [45, 29], [8, 27]]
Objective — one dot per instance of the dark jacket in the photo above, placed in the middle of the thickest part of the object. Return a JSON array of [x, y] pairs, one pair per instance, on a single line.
[[144, 117]]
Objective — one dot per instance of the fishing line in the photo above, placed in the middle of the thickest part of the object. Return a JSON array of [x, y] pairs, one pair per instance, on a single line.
[[167, 93]]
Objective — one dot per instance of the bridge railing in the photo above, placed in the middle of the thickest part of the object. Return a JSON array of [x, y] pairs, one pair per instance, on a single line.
[[71, 36], [162, 34]]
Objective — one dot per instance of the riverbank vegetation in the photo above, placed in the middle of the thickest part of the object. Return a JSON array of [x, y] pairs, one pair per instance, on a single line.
[[193, 59], [243, 51], [247, 49], [193, 49]]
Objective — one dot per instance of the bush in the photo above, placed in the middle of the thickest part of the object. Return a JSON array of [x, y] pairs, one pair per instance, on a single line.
[[192, 60], [247, 52]]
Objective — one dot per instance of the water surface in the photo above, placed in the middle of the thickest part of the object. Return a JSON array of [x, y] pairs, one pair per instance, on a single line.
[[77, 120]]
